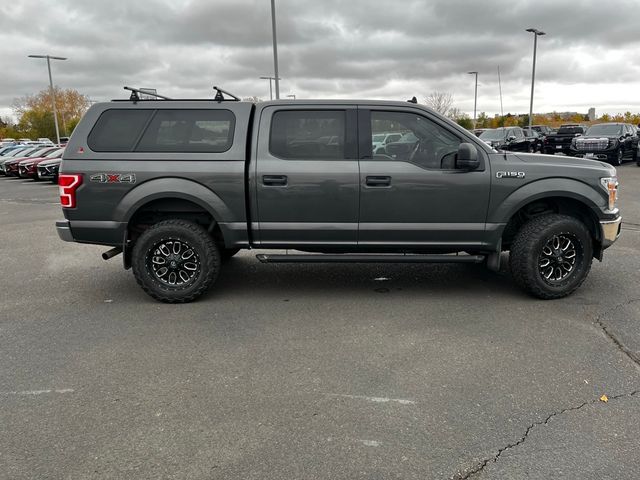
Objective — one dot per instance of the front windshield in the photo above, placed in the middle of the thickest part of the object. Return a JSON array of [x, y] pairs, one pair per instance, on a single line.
[[19, 151], [605, 130], [492, 135]]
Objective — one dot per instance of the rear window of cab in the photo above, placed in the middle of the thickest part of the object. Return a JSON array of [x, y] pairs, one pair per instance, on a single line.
[[163, 130]]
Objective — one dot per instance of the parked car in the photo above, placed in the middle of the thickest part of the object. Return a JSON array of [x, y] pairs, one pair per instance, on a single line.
[[535, 139], [16, 152], [442, 191], [507, 138], [48, 169], [11, 166], [543, 130], [560, 142], [612, 142], [379, 141], [28, 168], [44, 140], [478, 131]]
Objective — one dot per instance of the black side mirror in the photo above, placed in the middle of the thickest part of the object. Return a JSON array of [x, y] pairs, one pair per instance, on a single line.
[[467, 157], [511, 138]]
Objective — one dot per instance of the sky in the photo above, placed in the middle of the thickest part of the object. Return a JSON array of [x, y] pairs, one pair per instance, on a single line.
[[378, 49]]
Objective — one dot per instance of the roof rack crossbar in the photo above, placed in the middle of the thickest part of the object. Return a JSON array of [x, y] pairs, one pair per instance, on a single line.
[[220, 93], [136, 92]]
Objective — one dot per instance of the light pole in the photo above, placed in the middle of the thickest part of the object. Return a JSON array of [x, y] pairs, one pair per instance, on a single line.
[[536, 34], [292, 96], [51, 91], [275, 48], [270, 85], [475, 98]]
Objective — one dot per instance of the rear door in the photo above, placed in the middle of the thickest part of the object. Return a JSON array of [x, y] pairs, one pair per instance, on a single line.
[[413, 196], [306, 176]]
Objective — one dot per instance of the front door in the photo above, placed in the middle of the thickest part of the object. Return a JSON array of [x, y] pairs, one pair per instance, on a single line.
[[411, 194], [306, 176]]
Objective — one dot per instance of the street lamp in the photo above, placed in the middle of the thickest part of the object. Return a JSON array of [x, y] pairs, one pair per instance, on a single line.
[[475, 98], [292, 96], [536, 34], [53, 95], [271, 86], [275, 48]]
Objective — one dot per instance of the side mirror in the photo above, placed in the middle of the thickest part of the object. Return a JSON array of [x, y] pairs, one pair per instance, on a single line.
[[467, 157], [511, 138]]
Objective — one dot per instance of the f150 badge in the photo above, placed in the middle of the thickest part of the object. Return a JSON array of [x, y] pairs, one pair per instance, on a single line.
[[113, 178], [509, 174]]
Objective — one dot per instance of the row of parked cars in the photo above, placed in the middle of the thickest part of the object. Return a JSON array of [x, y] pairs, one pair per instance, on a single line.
[[38, 162], [610, 142]]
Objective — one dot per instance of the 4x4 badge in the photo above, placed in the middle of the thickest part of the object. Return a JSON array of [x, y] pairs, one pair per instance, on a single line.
[[509, 174], [113, 178]]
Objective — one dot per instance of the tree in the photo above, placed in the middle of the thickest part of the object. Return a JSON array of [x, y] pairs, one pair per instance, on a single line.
[[441, 102], [253, 99], [482, 121], [465, 122], [35, 117]]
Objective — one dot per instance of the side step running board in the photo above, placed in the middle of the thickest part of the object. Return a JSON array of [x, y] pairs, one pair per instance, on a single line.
[[366, 258]]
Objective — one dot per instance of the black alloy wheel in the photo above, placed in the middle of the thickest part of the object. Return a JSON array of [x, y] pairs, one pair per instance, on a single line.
[[175, 261]]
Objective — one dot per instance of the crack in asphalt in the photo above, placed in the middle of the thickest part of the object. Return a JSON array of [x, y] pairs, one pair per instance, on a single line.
[[618, 343], [480, 466]]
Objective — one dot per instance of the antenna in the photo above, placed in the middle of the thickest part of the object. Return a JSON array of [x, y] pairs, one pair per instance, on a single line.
[[220, 93], [413, 100]]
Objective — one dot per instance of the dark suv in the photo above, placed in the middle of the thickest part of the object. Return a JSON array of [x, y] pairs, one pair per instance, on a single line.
[[612, 142], [179, 186]]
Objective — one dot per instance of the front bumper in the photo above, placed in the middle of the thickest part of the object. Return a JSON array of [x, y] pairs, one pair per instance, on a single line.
[[610, 230], [595, 154], [64, 231]]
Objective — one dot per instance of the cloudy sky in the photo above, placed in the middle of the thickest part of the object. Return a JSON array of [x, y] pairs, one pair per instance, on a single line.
[[331, 49]]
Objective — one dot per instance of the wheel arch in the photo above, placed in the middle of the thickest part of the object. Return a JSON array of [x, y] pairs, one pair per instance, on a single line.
[[554, 203]]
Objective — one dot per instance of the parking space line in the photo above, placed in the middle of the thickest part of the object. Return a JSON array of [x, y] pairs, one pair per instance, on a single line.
[[39, 392], [401, 401]]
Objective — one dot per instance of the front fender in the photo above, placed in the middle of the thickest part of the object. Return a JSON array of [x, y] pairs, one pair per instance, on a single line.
[[506, 207]]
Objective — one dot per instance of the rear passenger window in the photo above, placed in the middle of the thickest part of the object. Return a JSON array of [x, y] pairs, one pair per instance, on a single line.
[[308, 134], [118, 130], [189, 131]]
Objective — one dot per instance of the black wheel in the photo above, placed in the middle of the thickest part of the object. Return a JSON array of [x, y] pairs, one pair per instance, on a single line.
[[227, 253], [551, 256], [175, 261], [618, 158], [531, 149]]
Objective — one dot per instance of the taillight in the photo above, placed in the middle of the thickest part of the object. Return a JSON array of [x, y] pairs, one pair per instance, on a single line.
[[68, 185]]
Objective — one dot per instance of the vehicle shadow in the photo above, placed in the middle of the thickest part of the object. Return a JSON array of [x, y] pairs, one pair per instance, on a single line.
[[245, 274]]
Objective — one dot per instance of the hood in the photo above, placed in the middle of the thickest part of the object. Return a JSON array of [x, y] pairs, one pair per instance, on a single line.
[[592, 137], [53, 161], [561, 160]]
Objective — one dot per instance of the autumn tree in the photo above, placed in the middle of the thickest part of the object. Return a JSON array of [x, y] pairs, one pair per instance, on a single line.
[[35, 118]]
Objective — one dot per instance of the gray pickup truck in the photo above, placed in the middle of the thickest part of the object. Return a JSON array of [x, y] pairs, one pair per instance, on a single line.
[[180, 186]]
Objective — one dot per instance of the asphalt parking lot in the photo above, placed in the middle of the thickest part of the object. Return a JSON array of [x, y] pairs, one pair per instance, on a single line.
[[309, 372]]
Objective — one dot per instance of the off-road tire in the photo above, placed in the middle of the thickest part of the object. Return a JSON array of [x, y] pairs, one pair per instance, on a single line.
[[527, 252], [194, 237], [227, 253]]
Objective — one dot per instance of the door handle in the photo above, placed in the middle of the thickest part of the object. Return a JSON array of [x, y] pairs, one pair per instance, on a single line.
[[274, 180], [378, 181]]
